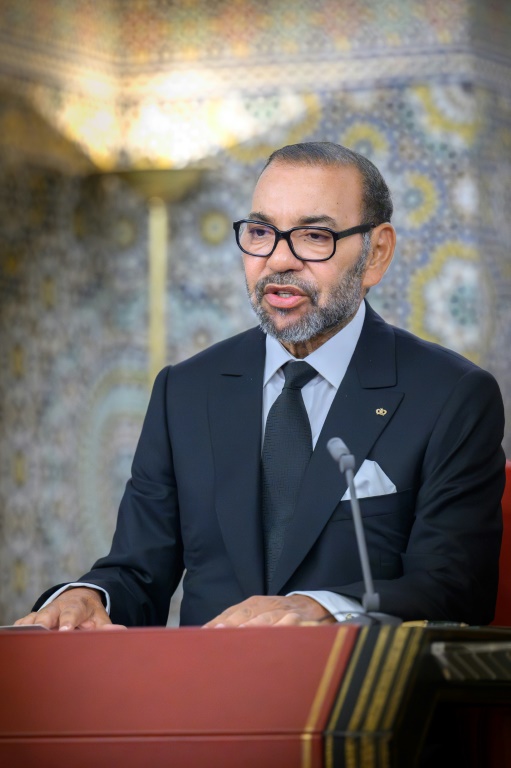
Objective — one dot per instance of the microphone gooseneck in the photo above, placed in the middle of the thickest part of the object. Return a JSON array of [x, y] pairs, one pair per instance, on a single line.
[[341, 454]]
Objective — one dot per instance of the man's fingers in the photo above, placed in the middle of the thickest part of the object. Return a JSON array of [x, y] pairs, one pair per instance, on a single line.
[[82, 610], [100, 623], [113, 627], [31, 618], [75, 612], [274, 619], [48, 617], [277, 618], [289, 619], [269, 611], [75, 608]]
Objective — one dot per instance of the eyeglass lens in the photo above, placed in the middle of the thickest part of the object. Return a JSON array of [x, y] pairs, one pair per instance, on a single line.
[[259, 240]]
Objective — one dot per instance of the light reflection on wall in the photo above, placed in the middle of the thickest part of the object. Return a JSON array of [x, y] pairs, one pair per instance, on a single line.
[[121, 127]]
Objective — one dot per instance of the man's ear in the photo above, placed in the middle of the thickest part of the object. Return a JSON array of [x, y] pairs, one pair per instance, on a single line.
[[383, 242]]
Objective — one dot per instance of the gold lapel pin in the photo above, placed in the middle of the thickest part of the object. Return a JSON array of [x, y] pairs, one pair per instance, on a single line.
[[381, 412]]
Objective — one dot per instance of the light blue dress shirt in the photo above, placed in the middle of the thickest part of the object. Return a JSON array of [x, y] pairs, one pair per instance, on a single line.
[[331, 361]]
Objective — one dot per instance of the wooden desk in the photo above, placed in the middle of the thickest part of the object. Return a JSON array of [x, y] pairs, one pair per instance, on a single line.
[[334, 696]]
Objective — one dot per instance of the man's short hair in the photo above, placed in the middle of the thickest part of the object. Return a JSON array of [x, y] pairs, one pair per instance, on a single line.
[[376, 199]]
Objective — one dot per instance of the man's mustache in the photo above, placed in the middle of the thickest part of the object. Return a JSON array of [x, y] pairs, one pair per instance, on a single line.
[[286, 278]]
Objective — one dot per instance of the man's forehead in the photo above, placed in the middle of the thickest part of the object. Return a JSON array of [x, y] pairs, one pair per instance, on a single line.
[[304, 185]]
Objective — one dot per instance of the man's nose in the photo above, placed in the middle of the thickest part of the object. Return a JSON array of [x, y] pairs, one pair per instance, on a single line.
[[283, 258]]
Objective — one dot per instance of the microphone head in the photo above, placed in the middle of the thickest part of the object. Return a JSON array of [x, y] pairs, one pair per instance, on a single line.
[[337, 448]]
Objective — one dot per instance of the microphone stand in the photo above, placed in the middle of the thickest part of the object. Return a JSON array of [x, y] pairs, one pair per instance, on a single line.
[[371, 599]]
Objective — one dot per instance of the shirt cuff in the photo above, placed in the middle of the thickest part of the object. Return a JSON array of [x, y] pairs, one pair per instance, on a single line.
[[79, 584], [339, 606]]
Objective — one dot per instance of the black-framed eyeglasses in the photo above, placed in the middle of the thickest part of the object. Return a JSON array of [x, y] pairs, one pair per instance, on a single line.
[[306, 243]]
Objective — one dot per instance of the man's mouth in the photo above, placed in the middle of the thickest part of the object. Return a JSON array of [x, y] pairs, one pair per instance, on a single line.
[[287, 290], [284, 296]]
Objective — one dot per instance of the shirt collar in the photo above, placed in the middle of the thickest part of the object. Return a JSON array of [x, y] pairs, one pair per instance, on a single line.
[[330, 360]]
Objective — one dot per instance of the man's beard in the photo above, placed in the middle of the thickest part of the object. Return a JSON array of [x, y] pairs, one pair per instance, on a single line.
[[341, 305]]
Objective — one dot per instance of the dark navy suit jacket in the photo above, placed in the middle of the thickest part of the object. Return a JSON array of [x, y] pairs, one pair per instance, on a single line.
[[193, 501]]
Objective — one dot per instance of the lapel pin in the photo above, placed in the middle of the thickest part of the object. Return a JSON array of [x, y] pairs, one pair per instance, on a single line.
[[381, 412]]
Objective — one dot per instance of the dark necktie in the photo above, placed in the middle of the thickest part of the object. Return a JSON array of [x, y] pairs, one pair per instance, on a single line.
[[287, 449]]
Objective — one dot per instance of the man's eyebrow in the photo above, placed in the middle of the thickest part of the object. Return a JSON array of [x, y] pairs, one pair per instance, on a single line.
[[318, 219], [258, 216]]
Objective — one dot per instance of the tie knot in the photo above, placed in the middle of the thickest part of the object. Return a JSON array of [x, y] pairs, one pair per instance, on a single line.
[[298, 374]]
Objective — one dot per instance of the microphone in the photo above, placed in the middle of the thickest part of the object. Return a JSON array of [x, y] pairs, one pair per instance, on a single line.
[[340, 453]]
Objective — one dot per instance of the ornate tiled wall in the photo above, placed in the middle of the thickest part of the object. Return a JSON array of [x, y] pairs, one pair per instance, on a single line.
[[421, 87]]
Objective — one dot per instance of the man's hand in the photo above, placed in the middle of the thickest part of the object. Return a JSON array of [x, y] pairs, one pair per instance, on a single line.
[[272, 611], [76, 608]]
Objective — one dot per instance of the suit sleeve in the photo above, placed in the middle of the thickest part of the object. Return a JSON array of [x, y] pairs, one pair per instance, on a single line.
[[145, 562], [450, 566]]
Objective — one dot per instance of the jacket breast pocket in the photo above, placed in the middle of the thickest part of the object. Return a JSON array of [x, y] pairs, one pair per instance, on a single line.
[[387, 521], [399, 503]]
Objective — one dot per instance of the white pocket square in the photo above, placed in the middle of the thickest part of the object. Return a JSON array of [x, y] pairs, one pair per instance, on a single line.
[[370, 480]]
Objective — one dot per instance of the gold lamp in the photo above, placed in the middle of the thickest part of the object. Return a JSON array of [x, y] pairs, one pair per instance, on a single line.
[[160, 188]]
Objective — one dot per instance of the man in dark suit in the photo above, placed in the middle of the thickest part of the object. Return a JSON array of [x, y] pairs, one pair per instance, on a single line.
[[425, 426]]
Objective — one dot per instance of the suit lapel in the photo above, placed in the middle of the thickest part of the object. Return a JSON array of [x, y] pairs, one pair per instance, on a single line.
[[357, 417], [235, 403]]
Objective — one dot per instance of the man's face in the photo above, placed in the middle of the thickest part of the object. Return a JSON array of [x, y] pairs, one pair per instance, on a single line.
[[307, 302]]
